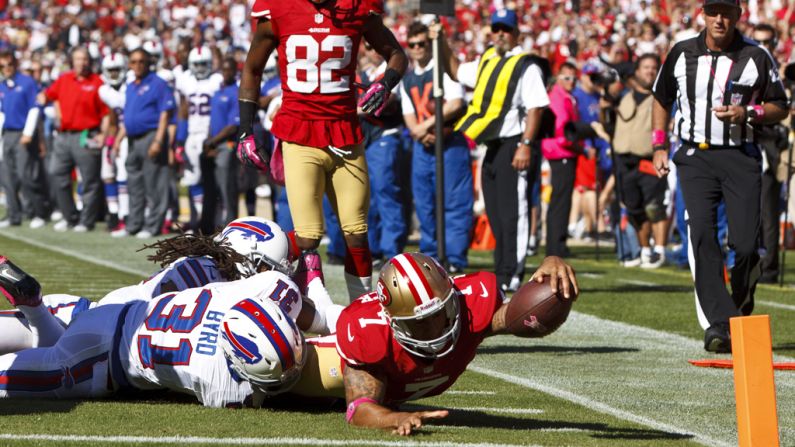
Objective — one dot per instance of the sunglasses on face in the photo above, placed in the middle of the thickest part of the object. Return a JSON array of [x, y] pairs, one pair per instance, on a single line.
[[420, 44], [500, 28], [713, 12]]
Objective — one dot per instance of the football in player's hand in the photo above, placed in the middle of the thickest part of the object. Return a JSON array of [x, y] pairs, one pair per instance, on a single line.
[[535, 311]]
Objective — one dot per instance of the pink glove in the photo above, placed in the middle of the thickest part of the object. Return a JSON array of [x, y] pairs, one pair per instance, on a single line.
[[249, 154], [374, 99], [179, 155]]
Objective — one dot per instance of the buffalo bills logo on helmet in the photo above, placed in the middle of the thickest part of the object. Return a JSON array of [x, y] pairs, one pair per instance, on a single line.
[[245, 349], [383, 294], [260, 231]]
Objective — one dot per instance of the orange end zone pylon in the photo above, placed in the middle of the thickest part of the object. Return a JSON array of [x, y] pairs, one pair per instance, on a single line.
[[754, 383]]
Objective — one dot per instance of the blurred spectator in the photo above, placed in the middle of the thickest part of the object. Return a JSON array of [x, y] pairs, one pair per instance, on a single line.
[[387, 229], [419, 113], [774, 140], [22, 170], [562, 155], [642, 191], [224, 119], [147, 111], [79, 141]]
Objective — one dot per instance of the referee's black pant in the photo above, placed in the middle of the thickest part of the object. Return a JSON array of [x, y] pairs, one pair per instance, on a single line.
[[706, 177], [506, 194]]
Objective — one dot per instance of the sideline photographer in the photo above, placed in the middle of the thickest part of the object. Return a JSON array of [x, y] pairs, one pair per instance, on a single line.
[[643, 192]]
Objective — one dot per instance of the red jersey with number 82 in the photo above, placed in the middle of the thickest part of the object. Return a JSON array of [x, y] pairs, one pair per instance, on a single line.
[[364, 337], [318, 52]]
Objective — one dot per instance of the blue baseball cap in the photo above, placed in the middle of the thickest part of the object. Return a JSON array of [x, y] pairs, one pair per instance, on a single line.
[[505, 17]]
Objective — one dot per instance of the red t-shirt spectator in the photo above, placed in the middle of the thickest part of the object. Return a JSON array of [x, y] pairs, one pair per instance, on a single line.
[[78, 101]]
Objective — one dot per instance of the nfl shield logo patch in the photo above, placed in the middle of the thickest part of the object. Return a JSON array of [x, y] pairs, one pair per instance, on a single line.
[[318, 18], [737, 99]]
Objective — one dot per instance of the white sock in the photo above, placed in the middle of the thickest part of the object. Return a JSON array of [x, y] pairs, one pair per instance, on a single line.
[[45, 327], [358, 286], [15, 333], [645, 251], [316, 293], [659, 249]]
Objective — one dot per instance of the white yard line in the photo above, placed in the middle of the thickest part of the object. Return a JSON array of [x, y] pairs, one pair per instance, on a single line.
[[596, 405], [179, 440], [500, 410], [75, 254], [471, 392], [636, 282], [776, 305]]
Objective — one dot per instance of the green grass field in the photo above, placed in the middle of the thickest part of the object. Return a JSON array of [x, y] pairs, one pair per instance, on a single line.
[[616, 374]]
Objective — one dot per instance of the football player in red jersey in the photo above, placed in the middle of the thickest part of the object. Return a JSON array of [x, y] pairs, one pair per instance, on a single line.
[[317, 125], [417, 333]]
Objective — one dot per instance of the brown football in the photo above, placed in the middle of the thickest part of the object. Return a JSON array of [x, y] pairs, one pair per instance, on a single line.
[[534, 311]]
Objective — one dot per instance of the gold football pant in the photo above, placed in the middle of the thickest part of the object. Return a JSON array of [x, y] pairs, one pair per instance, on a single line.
[[311, 172]]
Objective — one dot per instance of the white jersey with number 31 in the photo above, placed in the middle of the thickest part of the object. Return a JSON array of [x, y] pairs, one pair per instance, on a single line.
[[172, 341]]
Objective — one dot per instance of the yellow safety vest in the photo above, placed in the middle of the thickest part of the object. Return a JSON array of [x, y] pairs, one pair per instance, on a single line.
[[494, 89]]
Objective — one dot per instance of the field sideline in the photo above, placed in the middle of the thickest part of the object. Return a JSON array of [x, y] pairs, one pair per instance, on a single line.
[[616, 374]]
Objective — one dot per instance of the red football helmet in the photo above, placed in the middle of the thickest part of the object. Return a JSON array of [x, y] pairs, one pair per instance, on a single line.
[[421, 303]]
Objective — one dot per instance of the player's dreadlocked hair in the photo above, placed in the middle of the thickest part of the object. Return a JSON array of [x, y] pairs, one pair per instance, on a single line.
[[192, 245]]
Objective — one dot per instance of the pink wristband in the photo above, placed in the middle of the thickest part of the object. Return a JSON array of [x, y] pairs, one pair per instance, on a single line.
[[354, 405], [658, 137], [760, 111]]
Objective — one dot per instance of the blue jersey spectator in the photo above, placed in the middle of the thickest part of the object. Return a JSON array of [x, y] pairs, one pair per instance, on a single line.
[[21, 169], [148, 109]]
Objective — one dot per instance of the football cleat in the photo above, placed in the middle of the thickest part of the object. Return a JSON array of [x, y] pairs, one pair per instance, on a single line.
[[17, 286]]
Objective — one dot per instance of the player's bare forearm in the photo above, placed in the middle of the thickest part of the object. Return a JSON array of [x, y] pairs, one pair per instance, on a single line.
[[498, 325], [361, 384], [262, 45], [385, 44], [531, 123]]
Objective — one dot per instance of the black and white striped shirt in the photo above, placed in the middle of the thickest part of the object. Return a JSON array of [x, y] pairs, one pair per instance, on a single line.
[[697, 79]]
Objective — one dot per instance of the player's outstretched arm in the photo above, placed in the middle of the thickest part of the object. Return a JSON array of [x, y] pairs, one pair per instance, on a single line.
[[364, 392], [561, 276]]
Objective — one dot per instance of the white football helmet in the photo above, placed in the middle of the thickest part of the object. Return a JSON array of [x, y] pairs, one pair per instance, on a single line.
[[113, 69], [263, 346], [200, 61], [260, 241], [421, 304], [155, 50]]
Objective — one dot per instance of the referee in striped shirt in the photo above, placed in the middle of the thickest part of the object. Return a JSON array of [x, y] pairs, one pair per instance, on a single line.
[[724, 87]]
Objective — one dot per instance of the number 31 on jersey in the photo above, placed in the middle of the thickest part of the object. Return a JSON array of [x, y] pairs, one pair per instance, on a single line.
[[304, 75]]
